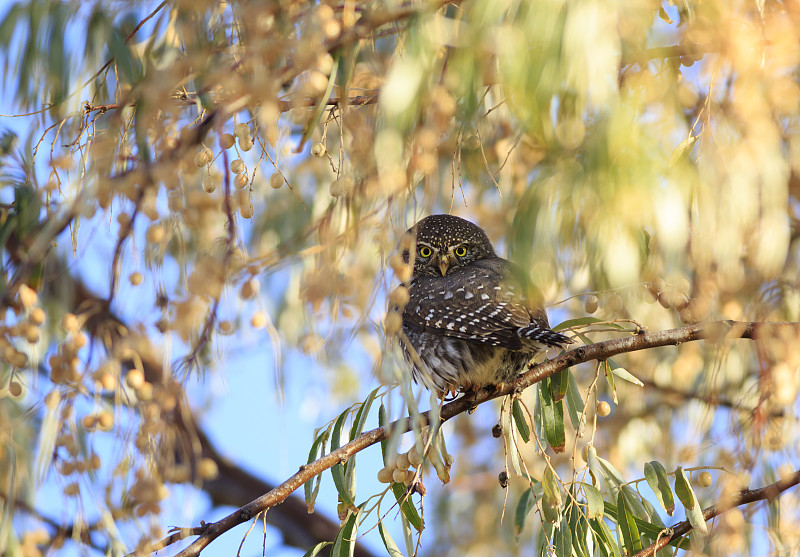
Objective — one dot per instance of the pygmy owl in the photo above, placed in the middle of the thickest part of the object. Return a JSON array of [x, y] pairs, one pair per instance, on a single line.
[[468, 321]]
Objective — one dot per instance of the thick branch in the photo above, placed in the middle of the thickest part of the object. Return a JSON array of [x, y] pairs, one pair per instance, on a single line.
[[717, 331], [744, 497]]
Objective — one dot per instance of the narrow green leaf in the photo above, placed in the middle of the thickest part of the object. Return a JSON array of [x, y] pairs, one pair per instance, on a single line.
[[610, 379], [407, 506], [551, 495], [524, 506], [623, 373], [563, 539], [337, 470], [127, 66], [361, 416], [577, 522], [594, 501], [345, 541], [314, 551], [521, 421], [627, 526], [558, 385], [9, 23], [684, 491], [656, 476], [683, 150], [388, 542], [603, 538], [323, 102], [634, 501], [575, 402], [48, 431], [652, 514], [407, 535], [383, 419], [645, 527], [311, 488], [553, 417]]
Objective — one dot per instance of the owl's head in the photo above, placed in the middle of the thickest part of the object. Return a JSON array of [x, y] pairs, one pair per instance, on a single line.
[[445, 243]]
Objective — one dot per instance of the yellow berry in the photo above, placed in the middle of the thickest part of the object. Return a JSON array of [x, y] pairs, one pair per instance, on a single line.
[[258, 320], [200, 159], [105, 420], [241, 130], [246, 210], [28, 296], [385, 475], [72, 489], [80, 340], [399, 476], [37, 316], [473, 142], [399, 296], [226, 141], [393, 323], [249, 288], [207, 469], [245, 144], [134, 378], [603, 409], [402, 462], [241, 180], [615, 303], [414, 458], [705, 479], [32, 334], [209, 184], [590, 304], [135, 278], [94, 462], [70, 323], [108, 381], [318, 150], [15, 389], [155, 233], [89, 422], [336, 188], [276, 180], [237, 166]]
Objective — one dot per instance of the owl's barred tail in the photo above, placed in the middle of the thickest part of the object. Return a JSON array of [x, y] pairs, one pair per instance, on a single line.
[[544, 335]]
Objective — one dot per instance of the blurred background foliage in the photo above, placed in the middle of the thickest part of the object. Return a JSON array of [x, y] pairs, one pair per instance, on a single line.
[[194, 170]]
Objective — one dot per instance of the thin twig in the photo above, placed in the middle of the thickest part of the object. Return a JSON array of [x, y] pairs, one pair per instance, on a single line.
[[744, 497]]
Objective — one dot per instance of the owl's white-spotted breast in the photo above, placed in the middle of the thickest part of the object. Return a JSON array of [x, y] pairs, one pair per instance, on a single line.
[[468, 322]]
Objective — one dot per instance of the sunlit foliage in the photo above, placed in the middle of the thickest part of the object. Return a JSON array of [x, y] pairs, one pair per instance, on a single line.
[[254, 165]]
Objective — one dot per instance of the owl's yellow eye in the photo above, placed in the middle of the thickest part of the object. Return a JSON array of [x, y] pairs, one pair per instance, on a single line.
[[425, 251], [461, 251]]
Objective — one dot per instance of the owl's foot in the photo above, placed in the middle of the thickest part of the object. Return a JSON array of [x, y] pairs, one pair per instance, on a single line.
[[450, 394], [470, 393]]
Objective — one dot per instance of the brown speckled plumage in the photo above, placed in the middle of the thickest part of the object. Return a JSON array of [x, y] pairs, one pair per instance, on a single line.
[[468, 319]]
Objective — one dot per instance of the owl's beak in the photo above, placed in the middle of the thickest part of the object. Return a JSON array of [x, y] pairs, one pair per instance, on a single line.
[[444, 264]]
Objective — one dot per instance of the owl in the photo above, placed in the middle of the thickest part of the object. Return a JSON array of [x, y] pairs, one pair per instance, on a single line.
[[468, 322]]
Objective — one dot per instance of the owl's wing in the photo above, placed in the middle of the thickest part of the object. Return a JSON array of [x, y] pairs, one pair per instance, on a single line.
[[481, 303]]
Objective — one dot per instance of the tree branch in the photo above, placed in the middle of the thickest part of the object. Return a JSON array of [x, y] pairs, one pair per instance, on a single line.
[[716, 331], [744, 497]]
